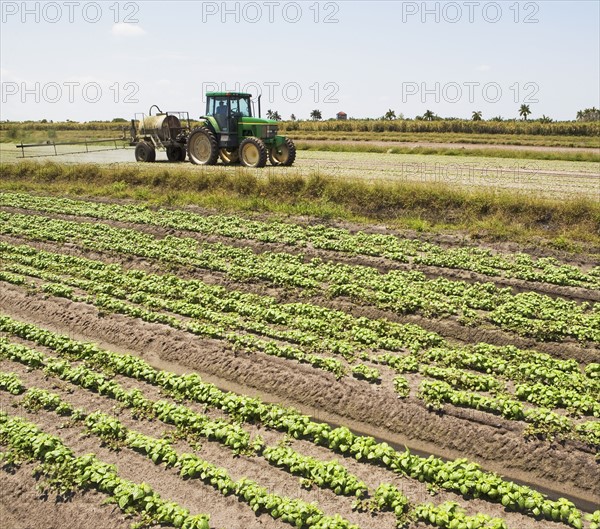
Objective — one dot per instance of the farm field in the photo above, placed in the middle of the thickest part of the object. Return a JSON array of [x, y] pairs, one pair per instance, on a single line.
[[551, 178], [230, 370]]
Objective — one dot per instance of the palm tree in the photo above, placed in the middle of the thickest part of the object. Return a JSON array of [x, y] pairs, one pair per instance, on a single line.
[[429, 115], [477, 115], [545, 119], [293, 117], [275, 115], [524, 111], [389, 115], [269, 114], [315, 115], [589, 114]]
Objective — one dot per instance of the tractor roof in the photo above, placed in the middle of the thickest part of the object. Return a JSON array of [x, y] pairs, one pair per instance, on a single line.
[[227, 94]]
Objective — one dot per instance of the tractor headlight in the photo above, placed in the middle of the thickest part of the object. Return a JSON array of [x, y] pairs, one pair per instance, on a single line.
[[271, 131]]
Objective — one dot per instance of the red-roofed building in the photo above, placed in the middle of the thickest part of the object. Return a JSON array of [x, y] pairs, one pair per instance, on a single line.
[[342, 115]]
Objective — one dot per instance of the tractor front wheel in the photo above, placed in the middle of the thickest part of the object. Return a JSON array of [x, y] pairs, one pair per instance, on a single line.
[[144, 152], [229, 156], [176, 152], [253, 152], [285, 154], [202, 147]]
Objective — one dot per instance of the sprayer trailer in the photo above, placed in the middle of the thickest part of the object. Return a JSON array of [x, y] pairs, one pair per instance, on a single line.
[[165, 131], [229, 130]]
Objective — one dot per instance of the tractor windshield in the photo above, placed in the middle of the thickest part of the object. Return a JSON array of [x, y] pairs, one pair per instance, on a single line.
[[241, 107]]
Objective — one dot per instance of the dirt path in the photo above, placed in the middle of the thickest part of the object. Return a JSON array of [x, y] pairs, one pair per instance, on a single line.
[[466, 146]]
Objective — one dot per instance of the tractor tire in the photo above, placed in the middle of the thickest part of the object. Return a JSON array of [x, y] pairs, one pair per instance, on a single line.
[[229, 156], [253, 152], [285, 154], [202, 147], [144, 152], [176, 152]]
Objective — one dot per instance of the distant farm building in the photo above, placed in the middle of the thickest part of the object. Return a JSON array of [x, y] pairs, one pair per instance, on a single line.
[[342, 115]]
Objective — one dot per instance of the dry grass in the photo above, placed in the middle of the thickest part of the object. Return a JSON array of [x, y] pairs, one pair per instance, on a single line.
[[572, 224]]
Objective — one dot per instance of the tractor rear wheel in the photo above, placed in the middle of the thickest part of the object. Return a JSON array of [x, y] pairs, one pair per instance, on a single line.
[[229, 156], [253, 152], [144, 152], [202, 147], [176, 152], [285, 154]]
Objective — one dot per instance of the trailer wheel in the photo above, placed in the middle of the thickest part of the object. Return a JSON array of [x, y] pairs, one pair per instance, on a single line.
[[253, 152], [285, 154], [229, 156], [144, 152], [202, 147], [176, 152]]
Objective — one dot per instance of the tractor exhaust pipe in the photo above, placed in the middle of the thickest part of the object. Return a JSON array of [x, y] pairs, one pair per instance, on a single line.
[[259, 115]]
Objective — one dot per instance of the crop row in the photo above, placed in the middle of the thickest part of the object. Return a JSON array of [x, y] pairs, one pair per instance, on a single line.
[[229, 434], [328, 474], [235, 310], [520, 266], [546, 421], [436, 393], [584, 400], [397, 291], [386, 497], [247, 342], [23, 440], [315, 323], [458, 377], [459, 476], [540, 379], [553, 422], [311, 325], [293, 511]]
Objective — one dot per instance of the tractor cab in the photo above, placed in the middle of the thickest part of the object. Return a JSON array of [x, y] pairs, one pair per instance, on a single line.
[[231, 132], [228, 108]]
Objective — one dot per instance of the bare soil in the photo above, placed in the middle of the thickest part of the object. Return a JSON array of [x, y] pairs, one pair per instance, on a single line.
[[22, 507]]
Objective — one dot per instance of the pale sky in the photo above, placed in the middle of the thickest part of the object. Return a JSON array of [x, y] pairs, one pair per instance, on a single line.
[[84, 60]]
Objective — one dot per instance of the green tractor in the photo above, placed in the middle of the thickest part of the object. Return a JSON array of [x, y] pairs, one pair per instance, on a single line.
[[230, 132]]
